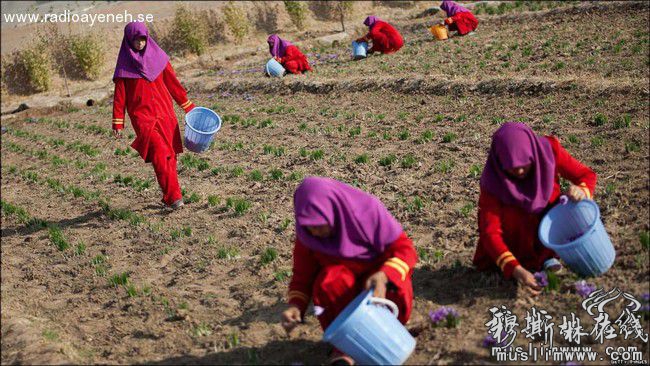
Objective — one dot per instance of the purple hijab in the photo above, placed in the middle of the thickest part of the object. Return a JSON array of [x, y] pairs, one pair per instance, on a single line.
[[277, 45], [132, 64], [370, 21], [514, 145], [451, 8], [362, 226]]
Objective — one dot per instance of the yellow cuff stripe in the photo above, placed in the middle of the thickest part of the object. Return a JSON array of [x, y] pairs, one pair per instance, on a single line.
[[506, 261], [584, 187], [118, 119], [186, 104], [118, 122], [399, 262], [299, 295], [397, 267], [502, 256]]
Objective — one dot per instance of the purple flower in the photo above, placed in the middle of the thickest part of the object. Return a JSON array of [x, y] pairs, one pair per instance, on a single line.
[[646, 297], [447, 315], [489, 341], [584, 289], [541, 278]]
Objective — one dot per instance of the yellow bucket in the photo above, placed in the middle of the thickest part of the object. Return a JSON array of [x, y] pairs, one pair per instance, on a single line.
[[439, 31]]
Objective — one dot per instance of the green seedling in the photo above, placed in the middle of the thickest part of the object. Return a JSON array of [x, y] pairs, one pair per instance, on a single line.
[[268, 256], [361, 159], [388, 160]]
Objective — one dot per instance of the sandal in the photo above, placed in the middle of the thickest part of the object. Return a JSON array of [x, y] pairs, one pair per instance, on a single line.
[[177, 204], [553, 265], [338, 358]]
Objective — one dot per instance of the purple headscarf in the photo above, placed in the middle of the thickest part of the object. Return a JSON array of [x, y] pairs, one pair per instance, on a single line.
[[277, 45], [451, 8], [362, 226], [370, 21], [132, 64], [514, 145]]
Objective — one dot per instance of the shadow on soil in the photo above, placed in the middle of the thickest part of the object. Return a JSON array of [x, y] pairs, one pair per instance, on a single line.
[[443, 286], [77, 222], [275, 352]]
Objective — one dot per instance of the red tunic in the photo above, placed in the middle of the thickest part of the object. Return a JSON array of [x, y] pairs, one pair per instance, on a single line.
[[464, 23], [334, 282], [295, 61], [508, 234], [150, 107], [385, 38]]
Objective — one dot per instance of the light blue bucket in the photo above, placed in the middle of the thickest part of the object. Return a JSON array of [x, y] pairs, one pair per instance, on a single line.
[[359, 50], [576, 233], [200, 126], [274, 68], [370, 333]]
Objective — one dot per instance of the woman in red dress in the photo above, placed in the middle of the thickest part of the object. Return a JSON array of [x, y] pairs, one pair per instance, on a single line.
[[144, 81], [385, 38], [519, 184], [346, 241], [288, 55], [459, 18]]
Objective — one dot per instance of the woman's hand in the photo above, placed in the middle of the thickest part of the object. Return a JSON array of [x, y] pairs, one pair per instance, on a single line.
[[449, 20], [575, 193], [276, 58], [290, 318], [117, 133], [379, 282], [527, 280]]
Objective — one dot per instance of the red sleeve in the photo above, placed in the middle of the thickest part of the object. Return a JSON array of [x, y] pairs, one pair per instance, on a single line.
[[118, 104], [176, 89], [491, 234], [570, 168], [305, 269], [401, 260]]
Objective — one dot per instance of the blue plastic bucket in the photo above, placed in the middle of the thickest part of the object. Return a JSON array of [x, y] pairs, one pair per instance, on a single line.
[[359, 50], [370, 333], [576, 233], [200, 126], [274, 68]]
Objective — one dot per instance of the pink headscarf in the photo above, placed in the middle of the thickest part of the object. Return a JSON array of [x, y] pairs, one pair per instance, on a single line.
[[370, 21], [277, 45], [452, 8], [362, 226], [132, 64], [515, 145]]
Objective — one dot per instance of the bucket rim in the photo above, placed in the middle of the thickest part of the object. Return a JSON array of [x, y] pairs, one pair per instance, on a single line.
[[266, 67], [201, 132], [572, 244], [329, 333]]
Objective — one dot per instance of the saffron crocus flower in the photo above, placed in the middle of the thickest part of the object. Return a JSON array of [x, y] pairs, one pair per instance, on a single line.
[[446, 316], [541, 278], [645, 297], [584, 289], [489, 341]]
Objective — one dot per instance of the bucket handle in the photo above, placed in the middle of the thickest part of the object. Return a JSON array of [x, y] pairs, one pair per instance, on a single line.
[[564, 199], [389, 304]]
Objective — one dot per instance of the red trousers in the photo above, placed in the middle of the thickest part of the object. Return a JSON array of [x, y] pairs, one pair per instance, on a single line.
[[163, 159], [336, 286]]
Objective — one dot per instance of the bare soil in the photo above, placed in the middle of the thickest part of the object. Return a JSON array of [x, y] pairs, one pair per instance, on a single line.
[[202, 293]]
